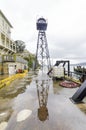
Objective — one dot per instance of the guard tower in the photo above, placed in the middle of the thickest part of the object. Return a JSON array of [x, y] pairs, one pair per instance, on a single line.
[[42, 52]]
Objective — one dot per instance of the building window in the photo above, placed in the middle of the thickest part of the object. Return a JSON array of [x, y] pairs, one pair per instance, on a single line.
[[3, 22]]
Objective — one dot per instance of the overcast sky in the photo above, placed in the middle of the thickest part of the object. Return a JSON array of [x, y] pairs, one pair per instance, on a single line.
[[66, 32]]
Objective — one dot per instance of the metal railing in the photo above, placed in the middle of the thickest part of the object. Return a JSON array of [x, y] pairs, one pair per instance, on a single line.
[[77, 76]]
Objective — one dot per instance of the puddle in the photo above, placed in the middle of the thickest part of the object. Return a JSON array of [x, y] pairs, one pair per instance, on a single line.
[[41, 104]]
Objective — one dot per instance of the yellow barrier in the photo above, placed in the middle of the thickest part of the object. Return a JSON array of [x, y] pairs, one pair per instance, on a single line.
[[7, 81]]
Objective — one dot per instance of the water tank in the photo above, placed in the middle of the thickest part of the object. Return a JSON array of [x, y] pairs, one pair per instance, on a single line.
[[41, 24]]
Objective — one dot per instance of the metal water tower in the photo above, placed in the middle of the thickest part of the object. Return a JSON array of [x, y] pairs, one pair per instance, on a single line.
[[42, 52]]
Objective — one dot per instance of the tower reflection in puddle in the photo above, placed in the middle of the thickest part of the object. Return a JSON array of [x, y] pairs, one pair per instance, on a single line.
[[42, 92]]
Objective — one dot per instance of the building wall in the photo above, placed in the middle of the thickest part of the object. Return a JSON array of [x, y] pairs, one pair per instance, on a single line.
[[5, 68], [7, 45], [17, 66], [1, 67], [12, 62], [5, 27], [8, 48]]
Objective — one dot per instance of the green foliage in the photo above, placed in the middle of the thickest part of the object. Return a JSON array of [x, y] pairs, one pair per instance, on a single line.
[[30, 60]]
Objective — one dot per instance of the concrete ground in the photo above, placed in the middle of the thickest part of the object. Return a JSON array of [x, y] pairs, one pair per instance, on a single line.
[[38, 103]]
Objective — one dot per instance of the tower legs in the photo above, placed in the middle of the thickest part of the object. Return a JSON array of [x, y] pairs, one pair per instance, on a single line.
[[42, 52]]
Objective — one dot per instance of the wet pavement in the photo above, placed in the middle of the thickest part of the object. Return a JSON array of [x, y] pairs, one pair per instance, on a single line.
[[37, 103]]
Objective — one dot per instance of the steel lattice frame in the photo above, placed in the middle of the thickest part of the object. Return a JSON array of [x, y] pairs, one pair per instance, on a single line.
[[42, 52]]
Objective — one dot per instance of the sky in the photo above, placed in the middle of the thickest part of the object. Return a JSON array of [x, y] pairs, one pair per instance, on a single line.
[[66, 31]]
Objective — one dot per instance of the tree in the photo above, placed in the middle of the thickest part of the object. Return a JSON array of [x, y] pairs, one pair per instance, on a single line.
[[20, 46]]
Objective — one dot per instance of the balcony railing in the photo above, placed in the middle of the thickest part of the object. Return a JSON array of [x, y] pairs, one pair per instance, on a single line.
[[8, 58]]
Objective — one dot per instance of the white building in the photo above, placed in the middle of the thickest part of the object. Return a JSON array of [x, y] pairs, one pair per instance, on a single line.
[[9, 61], [7, 45]]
